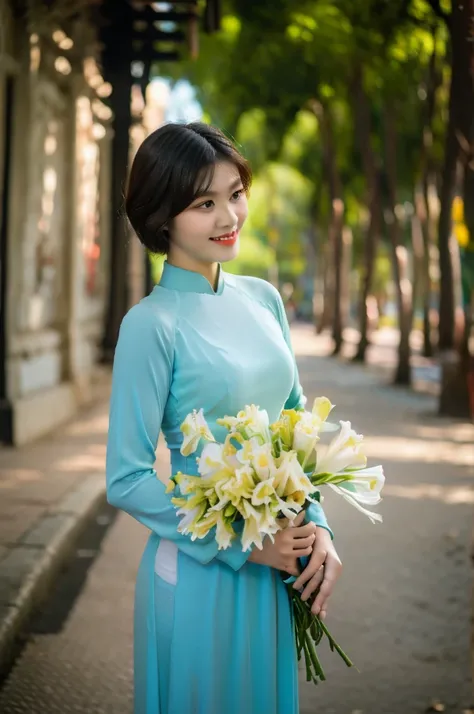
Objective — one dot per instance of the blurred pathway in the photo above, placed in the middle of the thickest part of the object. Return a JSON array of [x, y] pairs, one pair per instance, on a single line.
[[402, 608]]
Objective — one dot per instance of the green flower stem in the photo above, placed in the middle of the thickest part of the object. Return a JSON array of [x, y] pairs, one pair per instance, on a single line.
[[309, 630], [307, 661], [316, 630], [334, 646], [315, 660], [314, 670]]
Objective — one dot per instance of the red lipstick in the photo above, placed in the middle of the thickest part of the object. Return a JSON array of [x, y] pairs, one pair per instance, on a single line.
[[226, 238]]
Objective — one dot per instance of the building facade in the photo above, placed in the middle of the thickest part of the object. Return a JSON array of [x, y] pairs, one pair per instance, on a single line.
[[55, 146], [69, 268]]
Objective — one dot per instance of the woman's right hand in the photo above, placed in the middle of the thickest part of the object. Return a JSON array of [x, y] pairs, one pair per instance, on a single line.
[[292, 543]]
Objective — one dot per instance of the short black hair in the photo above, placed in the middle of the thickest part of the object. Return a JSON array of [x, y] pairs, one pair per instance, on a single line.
[[172, 167]]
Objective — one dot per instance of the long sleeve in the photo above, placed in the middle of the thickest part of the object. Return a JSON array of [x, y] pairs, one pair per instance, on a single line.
[[141, 382], [297, 400]]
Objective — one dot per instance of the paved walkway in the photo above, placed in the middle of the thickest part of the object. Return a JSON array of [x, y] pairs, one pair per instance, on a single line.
[[403, 606], [47, 491]]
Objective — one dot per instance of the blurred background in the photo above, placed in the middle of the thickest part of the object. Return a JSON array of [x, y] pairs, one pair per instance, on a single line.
[[358, 119]]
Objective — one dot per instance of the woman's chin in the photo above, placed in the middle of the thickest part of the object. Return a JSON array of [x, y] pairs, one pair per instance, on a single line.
[[227, 253]]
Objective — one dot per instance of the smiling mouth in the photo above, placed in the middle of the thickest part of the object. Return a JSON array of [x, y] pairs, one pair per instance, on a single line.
[[226, 237]]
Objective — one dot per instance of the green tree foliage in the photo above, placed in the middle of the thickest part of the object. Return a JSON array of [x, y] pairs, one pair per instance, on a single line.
[[332, 89]]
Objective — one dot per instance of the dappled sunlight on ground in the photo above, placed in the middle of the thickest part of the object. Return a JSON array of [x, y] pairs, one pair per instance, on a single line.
[[97, 425], [398, 448], [11, 477], [459, 433], [89, 460], [451, 495]]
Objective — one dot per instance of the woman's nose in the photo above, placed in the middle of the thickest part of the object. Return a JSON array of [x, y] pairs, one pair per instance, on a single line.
[[228, 218]]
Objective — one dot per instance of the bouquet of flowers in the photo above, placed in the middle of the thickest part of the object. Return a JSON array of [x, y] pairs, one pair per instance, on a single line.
[[266, 473]]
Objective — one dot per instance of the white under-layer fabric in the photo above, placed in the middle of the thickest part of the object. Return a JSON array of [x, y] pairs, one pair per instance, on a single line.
[[166, 561]]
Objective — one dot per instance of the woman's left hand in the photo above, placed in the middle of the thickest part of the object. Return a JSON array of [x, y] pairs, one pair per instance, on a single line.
[[322, 571]]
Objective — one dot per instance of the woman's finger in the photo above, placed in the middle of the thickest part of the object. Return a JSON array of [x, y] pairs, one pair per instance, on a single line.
[[303, 543], [317, 559], [313, 584], [299, 519], [302, 531], [322, 597], [332, 570], [303, 553]]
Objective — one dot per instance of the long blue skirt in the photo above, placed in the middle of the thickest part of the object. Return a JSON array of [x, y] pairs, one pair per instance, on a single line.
[[217, 642]]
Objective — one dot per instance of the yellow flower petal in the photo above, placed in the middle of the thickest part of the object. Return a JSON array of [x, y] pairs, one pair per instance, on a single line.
[[170, 487], [322, 407]]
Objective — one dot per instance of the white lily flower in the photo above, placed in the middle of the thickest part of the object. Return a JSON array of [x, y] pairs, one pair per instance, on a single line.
[[342, 453], [187, 484], [305, 438], [225, 534], [365, 485], [283, 429], [268, 522], [374, 517], [206, 523], [288, 508], [235, 489], [297, 500], [251, 534], [308, 428], [216, 461], [250, 421], [194, 428], [251, 446], [322, 407], [258, 423], [223, 498], [290, 477], [190, 518], [263, 461], [264, 492], [259, 522]]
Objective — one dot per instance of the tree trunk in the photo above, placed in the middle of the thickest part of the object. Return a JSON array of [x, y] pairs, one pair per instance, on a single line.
[[325, 318], [461, 114], [422, 202], [119, 255], [336, 224], [363, 125], [347, 241], [446, 299], [116, 61], [419, 272], [319, 257], [399, 254], [454, 399]]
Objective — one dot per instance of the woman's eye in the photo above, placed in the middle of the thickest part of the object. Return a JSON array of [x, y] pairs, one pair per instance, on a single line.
[[206, 204], [237, 194]]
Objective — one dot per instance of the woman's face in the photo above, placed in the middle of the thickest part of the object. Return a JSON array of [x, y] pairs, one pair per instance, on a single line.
[[219, 213]]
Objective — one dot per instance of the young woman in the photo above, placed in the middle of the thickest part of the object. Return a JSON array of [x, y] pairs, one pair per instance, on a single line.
[[213, 630]]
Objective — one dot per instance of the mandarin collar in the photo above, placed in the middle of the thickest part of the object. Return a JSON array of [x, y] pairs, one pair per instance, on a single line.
[[188, 281]]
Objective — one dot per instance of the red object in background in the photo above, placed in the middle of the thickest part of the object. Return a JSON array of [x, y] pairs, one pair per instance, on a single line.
[[470, 386], [92, 259]]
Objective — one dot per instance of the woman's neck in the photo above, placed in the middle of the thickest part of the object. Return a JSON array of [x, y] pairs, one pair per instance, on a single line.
[[209, 270]]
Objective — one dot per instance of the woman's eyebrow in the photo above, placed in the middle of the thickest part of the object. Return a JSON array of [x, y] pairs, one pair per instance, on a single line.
[[235, 184]]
